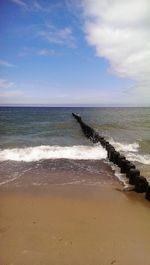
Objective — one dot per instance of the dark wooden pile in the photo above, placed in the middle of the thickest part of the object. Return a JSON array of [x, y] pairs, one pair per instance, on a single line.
[[128, 168]]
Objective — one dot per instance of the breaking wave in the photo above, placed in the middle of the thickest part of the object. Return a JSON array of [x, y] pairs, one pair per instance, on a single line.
[[53, 152], [125, 147], [143, 159], [76, 152], [131, 151]]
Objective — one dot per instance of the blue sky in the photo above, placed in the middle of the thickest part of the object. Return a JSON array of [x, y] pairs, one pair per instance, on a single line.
[[66, 52]]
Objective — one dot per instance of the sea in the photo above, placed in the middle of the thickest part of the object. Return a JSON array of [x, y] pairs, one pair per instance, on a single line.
[[42, 146]]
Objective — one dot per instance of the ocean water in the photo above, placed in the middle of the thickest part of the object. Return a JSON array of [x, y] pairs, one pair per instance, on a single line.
[[35, 141]]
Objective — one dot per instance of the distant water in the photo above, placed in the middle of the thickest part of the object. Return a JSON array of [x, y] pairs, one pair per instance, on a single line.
[[30, 136]]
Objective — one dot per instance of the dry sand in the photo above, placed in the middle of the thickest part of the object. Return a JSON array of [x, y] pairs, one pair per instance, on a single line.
[[74, 225]]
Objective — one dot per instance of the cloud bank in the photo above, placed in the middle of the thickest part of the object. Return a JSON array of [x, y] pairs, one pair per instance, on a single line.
[[119, 30]]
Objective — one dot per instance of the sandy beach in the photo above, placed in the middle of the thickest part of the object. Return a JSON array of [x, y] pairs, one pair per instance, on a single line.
[[74, 225], [75, 132]]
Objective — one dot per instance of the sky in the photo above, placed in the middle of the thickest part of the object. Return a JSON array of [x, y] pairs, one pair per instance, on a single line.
[[75, 52]]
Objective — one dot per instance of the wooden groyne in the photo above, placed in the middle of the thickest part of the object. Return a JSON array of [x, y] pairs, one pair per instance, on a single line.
[[127, 167]]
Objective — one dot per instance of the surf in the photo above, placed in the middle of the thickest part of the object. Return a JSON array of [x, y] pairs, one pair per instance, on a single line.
[[77, 152]]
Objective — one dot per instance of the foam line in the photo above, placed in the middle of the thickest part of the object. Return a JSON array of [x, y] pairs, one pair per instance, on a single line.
[[53, 152]]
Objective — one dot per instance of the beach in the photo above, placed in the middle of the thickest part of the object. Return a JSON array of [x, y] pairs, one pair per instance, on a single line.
[[74, 224], [61, 200], [75, 132]]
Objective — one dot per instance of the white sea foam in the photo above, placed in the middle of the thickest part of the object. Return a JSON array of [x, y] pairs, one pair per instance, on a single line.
[[125, 147], [53, 152], [143, 159], [131, 152], [7, 181], [120, 176]]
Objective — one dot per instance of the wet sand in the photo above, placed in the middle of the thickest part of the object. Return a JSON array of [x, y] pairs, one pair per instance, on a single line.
[[74, 225]]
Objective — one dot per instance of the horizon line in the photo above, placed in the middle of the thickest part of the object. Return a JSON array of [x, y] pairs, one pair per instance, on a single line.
[[77, 105]]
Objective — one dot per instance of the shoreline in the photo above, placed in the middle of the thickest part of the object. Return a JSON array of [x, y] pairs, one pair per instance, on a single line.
[[74, 224]]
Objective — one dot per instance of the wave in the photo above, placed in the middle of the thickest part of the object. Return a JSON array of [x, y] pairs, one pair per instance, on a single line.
[[76, 152], [125, 147], [143, 159], [37, 153], [131, 152]]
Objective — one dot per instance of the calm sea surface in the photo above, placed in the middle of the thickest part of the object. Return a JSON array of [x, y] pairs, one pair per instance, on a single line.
[[38, 138]]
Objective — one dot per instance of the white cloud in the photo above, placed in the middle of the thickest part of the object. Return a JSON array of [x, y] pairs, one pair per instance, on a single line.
[[119, 30], [29, 5], [9, 91], [6, 64], [37, 6], [37, 52], [45, 52], [4, 84], [61, 36], [20, 3]]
